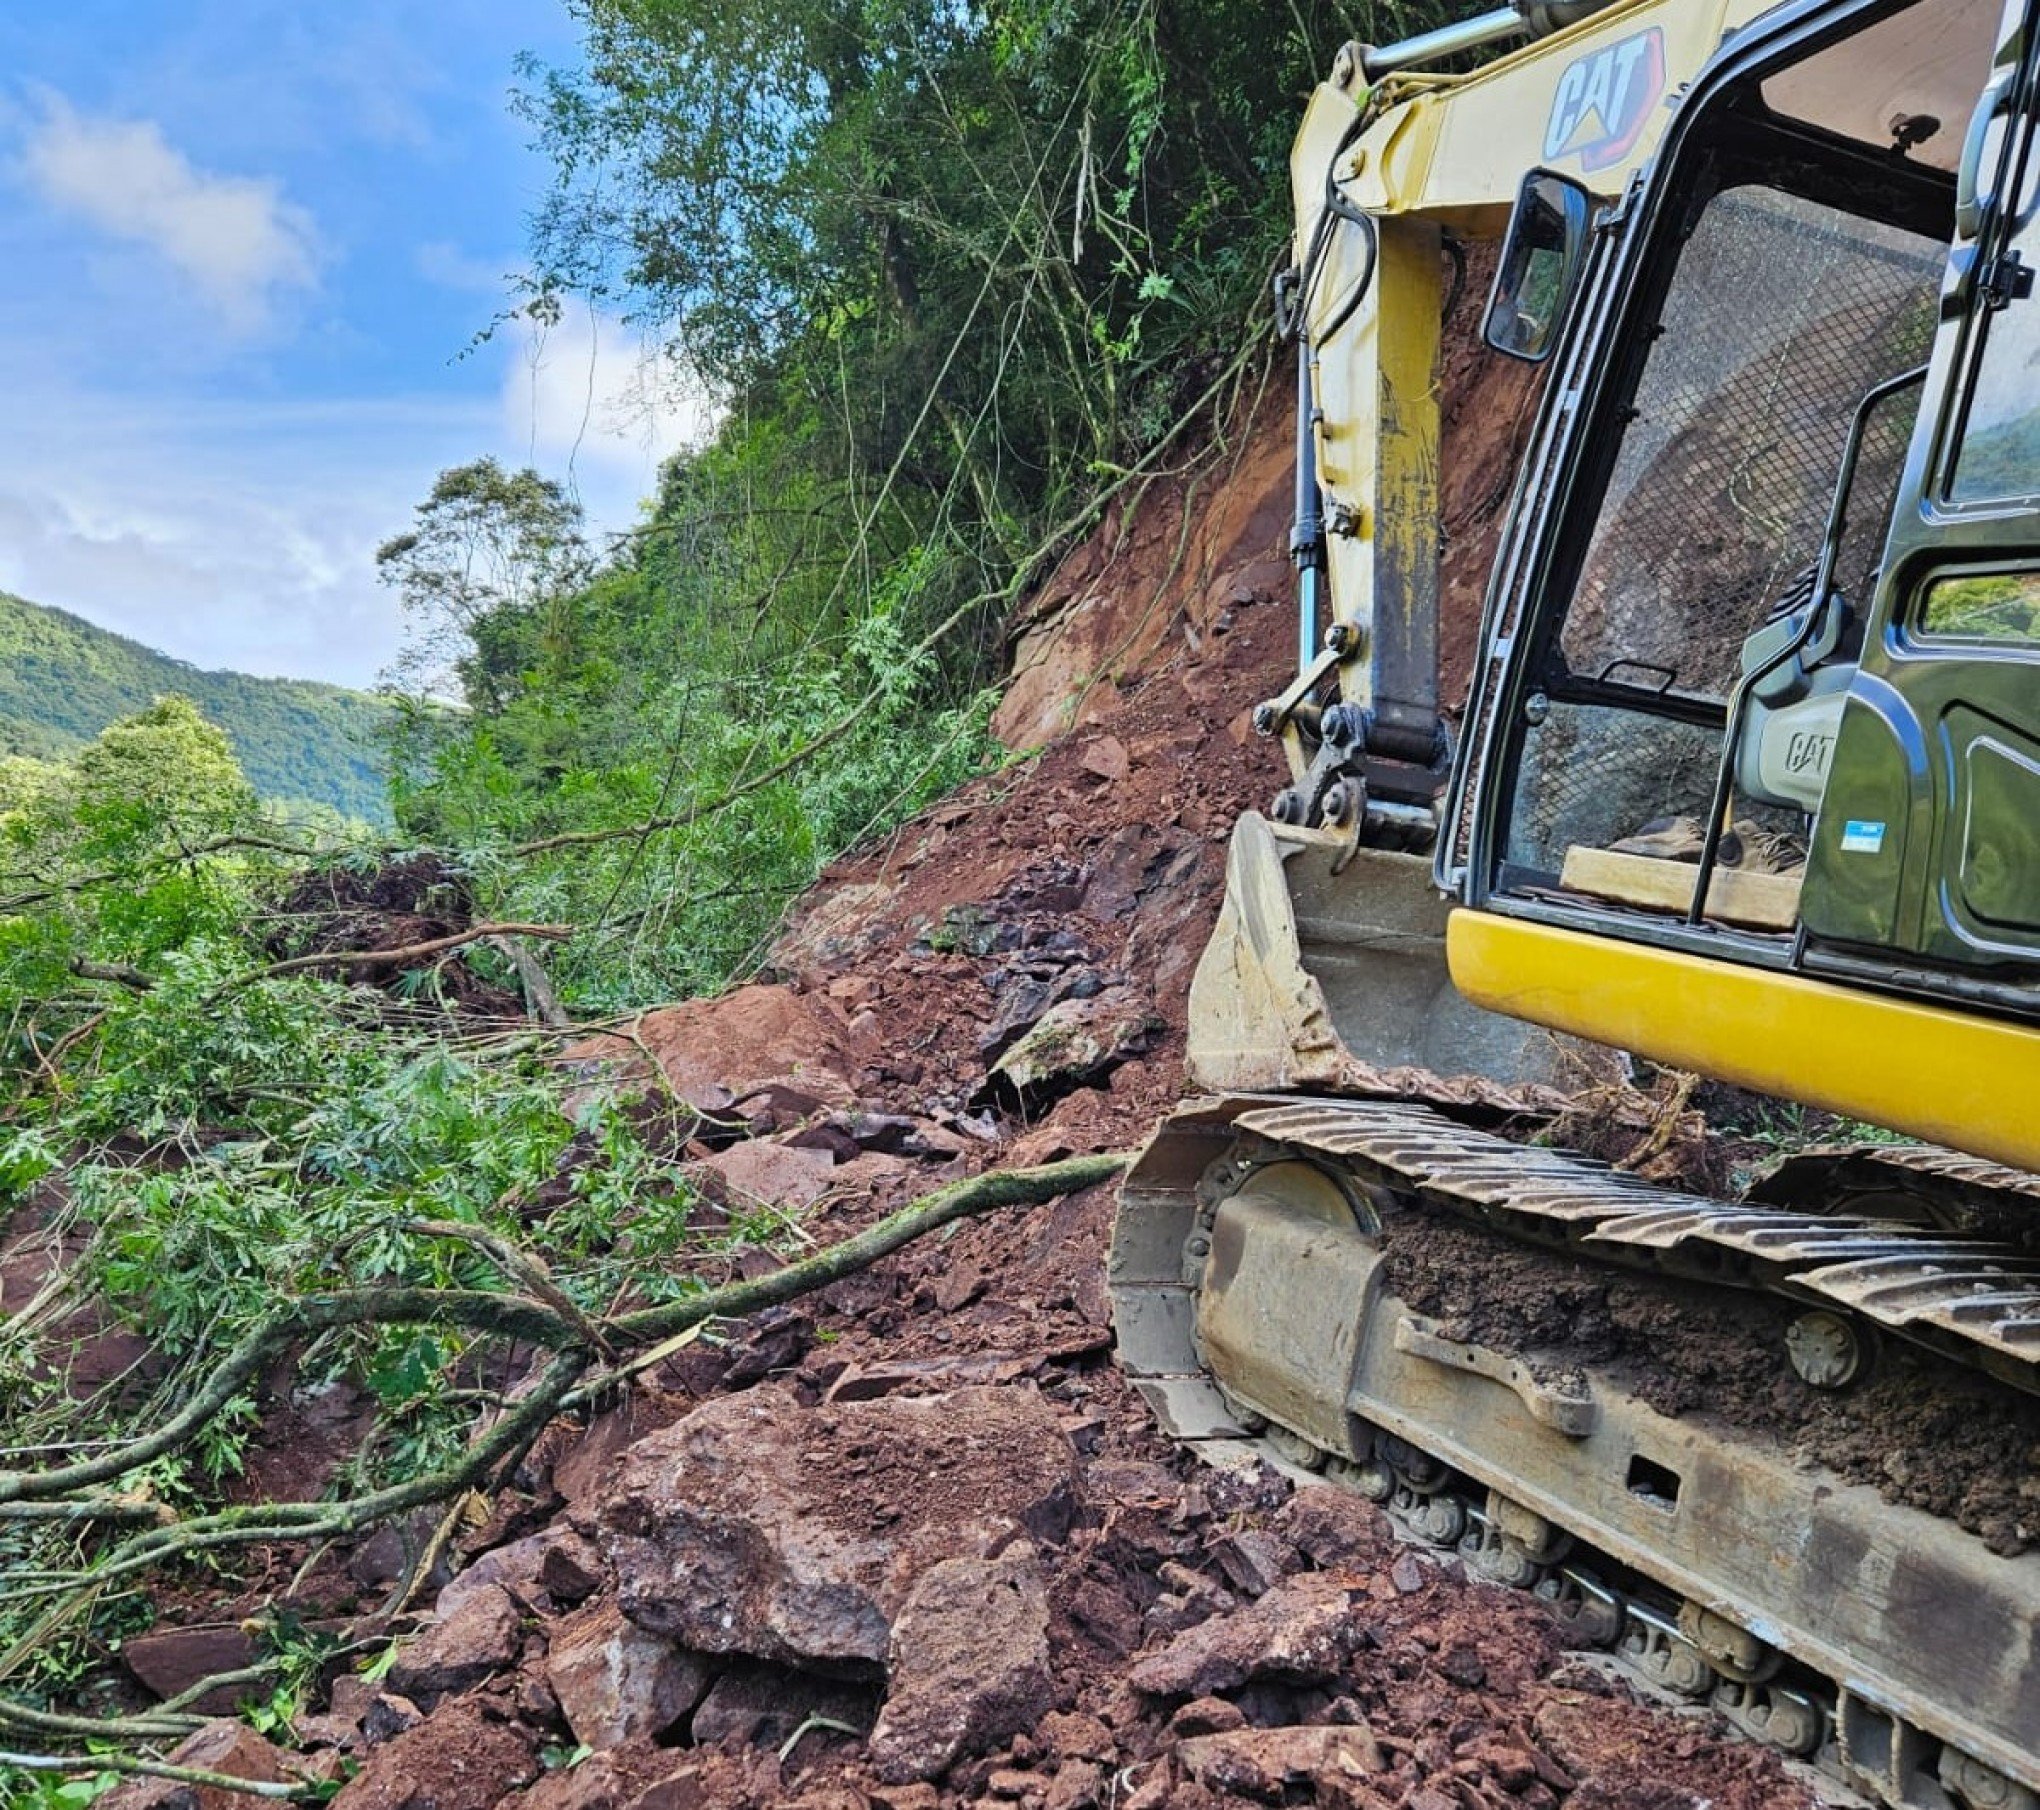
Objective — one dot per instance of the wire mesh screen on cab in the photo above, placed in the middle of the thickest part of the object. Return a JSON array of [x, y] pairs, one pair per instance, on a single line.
[[1782, 314]]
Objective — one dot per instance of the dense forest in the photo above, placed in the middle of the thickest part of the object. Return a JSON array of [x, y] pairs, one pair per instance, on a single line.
[[961, 277], [306, 747]]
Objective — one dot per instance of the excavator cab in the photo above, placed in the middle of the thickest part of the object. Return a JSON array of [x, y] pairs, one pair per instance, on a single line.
[[1761, 684], [1755, 690]]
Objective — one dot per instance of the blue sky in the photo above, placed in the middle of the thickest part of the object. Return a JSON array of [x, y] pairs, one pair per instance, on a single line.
[[246, 243]]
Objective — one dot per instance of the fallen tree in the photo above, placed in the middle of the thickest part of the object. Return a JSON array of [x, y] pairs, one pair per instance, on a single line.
[[589, 1357]]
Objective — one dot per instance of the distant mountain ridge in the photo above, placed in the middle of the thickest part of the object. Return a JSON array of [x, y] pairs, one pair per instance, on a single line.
[[63, 679]]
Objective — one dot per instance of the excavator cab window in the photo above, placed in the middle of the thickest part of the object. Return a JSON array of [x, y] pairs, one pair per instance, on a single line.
[[1783, 302]]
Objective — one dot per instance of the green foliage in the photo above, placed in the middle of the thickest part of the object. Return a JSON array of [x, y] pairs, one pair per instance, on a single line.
[[53, 1791], [2000, 606], [229, 1139], [951, 271], [482, 573], [62, 681]]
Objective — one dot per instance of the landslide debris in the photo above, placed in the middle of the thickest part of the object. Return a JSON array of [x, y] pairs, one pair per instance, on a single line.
[[913, 1543]]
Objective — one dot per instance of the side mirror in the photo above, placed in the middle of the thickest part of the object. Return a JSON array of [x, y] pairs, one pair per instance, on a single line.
[[1541, 262]]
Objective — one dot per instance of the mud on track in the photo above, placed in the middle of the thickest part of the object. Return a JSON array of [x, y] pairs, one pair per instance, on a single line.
[[1923, 1431]]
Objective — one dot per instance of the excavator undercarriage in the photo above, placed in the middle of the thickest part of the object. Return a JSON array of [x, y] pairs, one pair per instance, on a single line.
[[1660, 1412]]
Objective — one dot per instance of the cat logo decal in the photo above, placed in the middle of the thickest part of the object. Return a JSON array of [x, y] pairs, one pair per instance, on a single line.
[[1603, 99]]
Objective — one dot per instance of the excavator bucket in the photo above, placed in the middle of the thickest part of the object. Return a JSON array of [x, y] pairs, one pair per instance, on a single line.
[[1324, 976]]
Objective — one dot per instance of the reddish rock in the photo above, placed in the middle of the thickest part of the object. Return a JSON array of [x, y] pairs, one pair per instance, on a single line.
[[461, 1759], [571, 1569], [586, 1472], [1106, 758], [169, 1661], [681, 1789], [528, 1571], [1077, 1785], [1207, 1716], [614, 1781], [1071, 1735], [477, 1637], [1335, 1528], [388, 1716], [776, 1174], [793, 1534], [1301, 1632], [1075, 1042], [713, 1052], [231, 1748], [969, 1666], [1265, 1762], [616, 1683], [592, 1785], [350, 1697], [1255, 1561]]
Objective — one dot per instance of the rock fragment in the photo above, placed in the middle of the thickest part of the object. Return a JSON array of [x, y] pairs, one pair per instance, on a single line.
[[461, 1759], [760, 1527], [478, 1637], [969, 1666], [616, 1683], [1265, 1763], [1075, 1043], [231, 1748], [1301, 1632]]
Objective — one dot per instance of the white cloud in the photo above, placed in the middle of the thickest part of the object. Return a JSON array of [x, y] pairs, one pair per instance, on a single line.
[[229, 534], [235, 238], [593, 401], [239, 533], [443, 262]]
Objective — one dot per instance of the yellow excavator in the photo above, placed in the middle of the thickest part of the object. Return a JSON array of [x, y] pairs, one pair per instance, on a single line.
[[1746, 783]]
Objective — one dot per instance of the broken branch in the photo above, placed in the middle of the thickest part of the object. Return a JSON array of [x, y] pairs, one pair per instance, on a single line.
[[407, 952]]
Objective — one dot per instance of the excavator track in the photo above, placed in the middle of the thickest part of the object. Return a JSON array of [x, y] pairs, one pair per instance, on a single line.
[[1969, 1297], [1253, 1295]]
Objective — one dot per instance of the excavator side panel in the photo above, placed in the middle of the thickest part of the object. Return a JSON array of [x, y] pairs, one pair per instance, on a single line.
[[1926, 1070]]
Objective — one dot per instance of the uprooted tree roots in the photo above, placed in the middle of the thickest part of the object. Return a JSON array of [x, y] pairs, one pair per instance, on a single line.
[[588, 1358]]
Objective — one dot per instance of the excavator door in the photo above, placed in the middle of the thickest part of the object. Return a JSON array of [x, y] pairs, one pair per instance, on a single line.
[[1927, 845]]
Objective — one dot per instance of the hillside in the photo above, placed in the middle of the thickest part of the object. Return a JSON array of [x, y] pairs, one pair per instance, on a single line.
[[62, 680]]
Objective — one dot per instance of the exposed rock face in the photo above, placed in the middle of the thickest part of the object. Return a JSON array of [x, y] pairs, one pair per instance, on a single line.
[[616, 1683], [757, 1526], [1301, 1632], [969, 1666]]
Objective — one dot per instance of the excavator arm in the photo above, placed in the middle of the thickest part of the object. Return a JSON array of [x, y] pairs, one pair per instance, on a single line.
[[1395, 172]]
